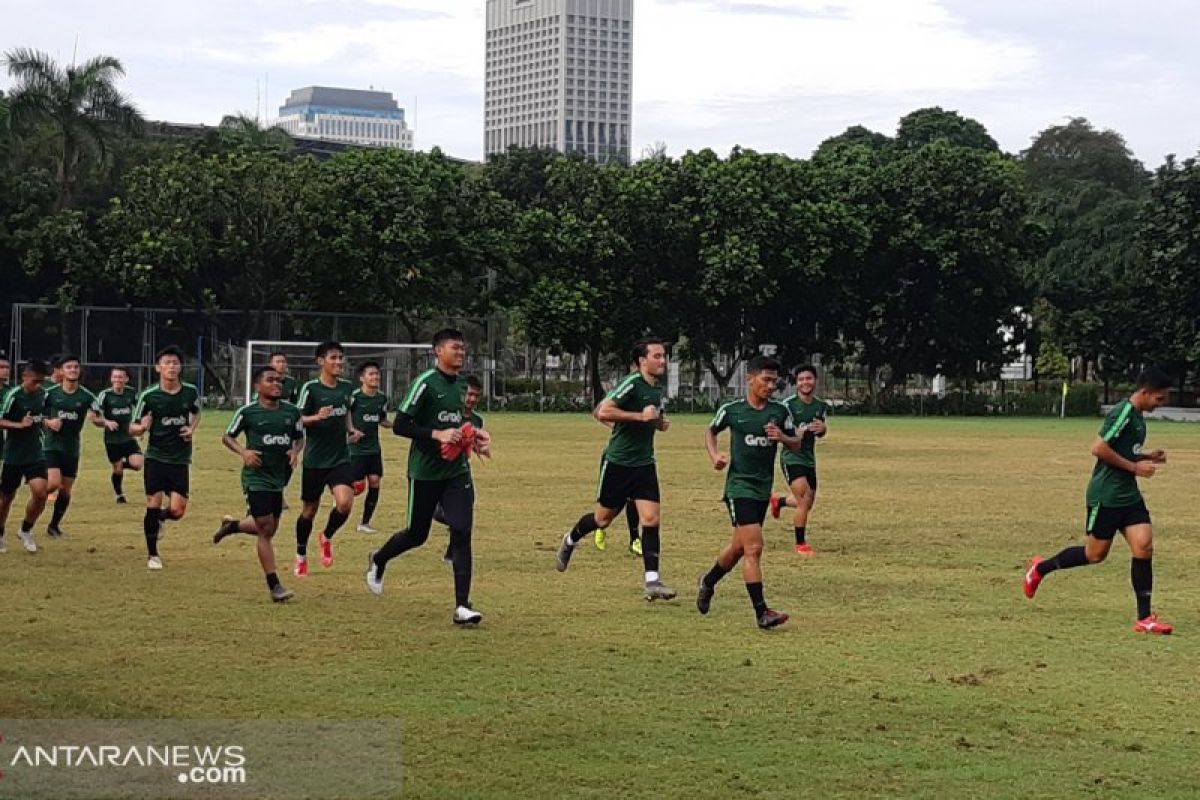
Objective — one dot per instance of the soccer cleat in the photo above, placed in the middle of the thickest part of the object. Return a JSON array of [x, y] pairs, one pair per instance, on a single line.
[[154, 563], [776, 504], [657, 590], [228, 527], [805, 550], [601, 539], [563, 559], [465, 615], [326, 552], [635, 548], [121, 500], [55, 533], [300, 570], [1151, 624], [3, 544], [374, 579], [27, 541], [280, 594], [771, 619], [704, 596], [1033, 578], [365, 528]]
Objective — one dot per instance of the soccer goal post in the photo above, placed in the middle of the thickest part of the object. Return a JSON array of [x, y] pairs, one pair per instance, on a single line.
[[399, 364]]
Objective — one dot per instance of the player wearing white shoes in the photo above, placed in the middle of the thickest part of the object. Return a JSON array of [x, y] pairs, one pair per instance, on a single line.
[[800, 466], [369, 409], [68, 407], [22, 410]]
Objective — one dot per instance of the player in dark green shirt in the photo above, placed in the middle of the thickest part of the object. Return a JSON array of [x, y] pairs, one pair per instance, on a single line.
[[114, 407], [68, 407], [628, 470], [274, 436], [170, 412], [369, 409], [328, 431], [757, 426], [470, 402], [1114, 501], [800, 466], [5, 376], [22, 410], [438, 470]]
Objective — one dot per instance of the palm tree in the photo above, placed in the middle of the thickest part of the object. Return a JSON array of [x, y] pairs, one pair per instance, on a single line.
[[79, 106], [242, 129]]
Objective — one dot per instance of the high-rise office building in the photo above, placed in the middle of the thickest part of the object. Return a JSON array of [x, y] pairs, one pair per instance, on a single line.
[[558, 76], [353, 116]]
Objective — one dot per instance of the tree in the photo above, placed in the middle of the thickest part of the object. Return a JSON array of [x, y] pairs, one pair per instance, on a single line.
[[1076, 153], [927, 125], [240, 130], [79, 106]]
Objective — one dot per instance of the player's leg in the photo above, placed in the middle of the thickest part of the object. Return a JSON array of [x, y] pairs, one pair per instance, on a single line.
[[1100, 527], [458, 505], [267, 513], [38, 492], [611, 498], [374, 478], [751, 536], [7, 495], [312, 486], [341, 485], [649, 512], [804, 496], [727, 559], [117, 477], [1140, 537], [63, 501], [152, 520], [423, 498]]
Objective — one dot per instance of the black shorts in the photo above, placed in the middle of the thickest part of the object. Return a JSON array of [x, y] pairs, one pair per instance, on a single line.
[[12, 475], [167, 478], [743, 511], [619, 484], [1105, 522], [68, 465], [122, 451], [364, 465], [264, 504], [314, 480], [794, 472]]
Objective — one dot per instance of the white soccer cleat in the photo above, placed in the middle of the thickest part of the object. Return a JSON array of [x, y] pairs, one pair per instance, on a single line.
[[364, 528], [3, 544], [464, 615], [374, 579], [27, 541], [154, 563]]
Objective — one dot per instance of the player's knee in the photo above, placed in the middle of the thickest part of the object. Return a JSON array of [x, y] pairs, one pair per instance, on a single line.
[[1096, 556], [752, 551], [344, 505], [648, 520], [1145, 550], [374, 481], [308, 510]]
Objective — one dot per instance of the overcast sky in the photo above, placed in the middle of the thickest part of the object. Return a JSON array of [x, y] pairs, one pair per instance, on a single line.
[[773, 75]]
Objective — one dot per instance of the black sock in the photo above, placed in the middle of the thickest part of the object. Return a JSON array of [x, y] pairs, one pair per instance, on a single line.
[[755, 590], [633, 520], [714, 576], [460, 554], [60, 509], [303, 531], [651, 544], [1068, 558], [26, 525], [336, 520], [369, 504], [272, 580], [400, 542], [150, 524], [586, 524], [1141, 573], [117, 479], [800, 533]]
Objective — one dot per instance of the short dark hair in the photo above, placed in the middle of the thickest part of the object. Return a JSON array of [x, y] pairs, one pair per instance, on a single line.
[[325, 348], [56, 361], [1154, 379], [169, 350], [275, 353], [762, 364], [803, 368], [36, 366], [259, 372], [366, 365], [474, 382], [119, 368], [447, 335], [641, 348], [67, 358]]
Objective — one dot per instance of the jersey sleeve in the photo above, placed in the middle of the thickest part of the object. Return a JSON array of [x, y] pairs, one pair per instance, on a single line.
[[623, 394], [721, 421], [415, 400], [1115, 422], [789, 422], [98, 402], [194, 405], [238, 423], [142, 408], [7, 402], [303, 400]]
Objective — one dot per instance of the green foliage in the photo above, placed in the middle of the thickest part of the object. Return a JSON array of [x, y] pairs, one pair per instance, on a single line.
[[1052, 363]]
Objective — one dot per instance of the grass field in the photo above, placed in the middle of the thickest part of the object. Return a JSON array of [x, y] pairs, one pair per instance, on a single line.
[[913, 665]]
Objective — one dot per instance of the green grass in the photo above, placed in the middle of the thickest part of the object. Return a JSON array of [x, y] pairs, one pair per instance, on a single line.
[[913, 666]]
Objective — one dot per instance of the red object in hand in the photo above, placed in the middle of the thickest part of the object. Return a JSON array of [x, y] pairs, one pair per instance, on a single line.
[[451, 452]]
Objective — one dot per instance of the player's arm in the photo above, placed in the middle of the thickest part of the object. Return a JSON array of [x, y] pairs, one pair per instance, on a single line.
[[188, 431], [719, 423], [596, 416], [609, 412], [1105, 452], [251, 458], [140, 424], [353, 434], [785, 434], [17, 425], [311, 416], [406, 423], [818, 427]]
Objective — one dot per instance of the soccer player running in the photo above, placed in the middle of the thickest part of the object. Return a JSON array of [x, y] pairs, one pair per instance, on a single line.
[[628, 471], [170, 411], [800, 466], [329, 428], [114, 412], [369, 411], [291, 387], [5, 376], [757, 426], [68, 406], [274, 435], [470, 402], [438, 470], [22, 410], [1114, 501]]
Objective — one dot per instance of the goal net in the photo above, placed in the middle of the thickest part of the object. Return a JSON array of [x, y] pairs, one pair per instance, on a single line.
[[400, 364]]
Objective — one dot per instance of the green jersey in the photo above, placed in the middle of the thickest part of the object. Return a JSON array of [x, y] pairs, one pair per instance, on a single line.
[[368, 411], [72, 408], [632, 443], [802, 414], [24, 446], [116, 407], [326, 446], [435, 400], [1125, 431], [751, 470], [290, 387], [169, 414], [272, 432], [475, 420], [3, 391]]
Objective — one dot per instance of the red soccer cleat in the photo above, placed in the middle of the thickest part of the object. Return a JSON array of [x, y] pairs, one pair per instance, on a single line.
[[1033, 578], [301, 568], [326, 552], [1151, 625], [805, 550], [776, 504]]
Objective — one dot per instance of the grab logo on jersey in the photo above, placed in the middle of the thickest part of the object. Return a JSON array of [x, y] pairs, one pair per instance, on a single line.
[[370, 418], [71, 415], [120, 412], [1137, 449], [338, 411], [277, 439], [454, 417], [757, 441], [174, 422]]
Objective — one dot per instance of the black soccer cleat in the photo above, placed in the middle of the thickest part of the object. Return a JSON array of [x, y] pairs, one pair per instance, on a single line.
[[229, 526], [280, 594], [704, 596], [562, 559], [771, 619]]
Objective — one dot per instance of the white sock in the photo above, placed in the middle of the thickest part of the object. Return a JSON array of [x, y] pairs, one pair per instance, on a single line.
[[651, 577]]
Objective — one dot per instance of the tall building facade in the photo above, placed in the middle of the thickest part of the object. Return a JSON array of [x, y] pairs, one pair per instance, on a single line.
[[353, 116], [558, 76]]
